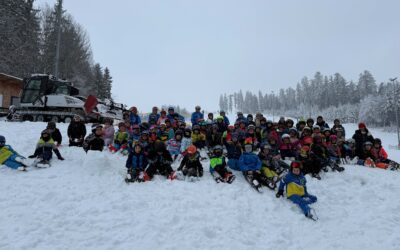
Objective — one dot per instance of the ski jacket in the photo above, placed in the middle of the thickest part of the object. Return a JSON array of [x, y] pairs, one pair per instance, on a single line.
[[108, 135], [135, 119], [249, 162], [5, 152], [163, 159], [198, 137], [136, 161], [288, 150], [217, 162], [186, 142], [192, 162], [379, 153], [234, 151], [76, 130], [196, 116], [56, 135], [295, 185], [226, 120], [93, 142], [334, 127], [174, 147], [121, 137], [361, 139], [153, 118], [214, 139]]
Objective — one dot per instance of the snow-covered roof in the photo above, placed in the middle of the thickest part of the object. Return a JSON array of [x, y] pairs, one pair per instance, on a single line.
[[4, 75]]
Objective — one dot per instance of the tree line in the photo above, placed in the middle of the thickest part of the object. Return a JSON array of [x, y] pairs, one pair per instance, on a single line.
[[29, 38], [332, 96]]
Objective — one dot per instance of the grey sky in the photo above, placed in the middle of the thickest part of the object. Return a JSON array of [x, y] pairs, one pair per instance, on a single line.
[[189, 52]]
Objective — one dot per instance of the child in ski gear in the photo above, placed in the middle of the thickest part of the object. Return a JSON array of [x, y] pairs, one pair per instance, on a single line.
[[381, 157], [190, 164], [44, 149], [94, 141], [337, 126], [9, 157], [160, 161], [198, 138], [121, 138], [287, 149], [250, 165], [271, 166], [367, 158], [54, 133], [361, 136], [136, 164], [234, 151], [186, 140], [108, 132], [163, 118], [226, 119], [218, 167], [174, 145], [296, 190], [76, 132], [214, 137], [321, 123], [222, 127]]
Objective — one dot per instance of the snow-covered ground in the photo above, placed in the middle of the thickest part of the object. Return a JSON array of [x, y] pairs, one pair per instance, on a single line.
[[84, 203]]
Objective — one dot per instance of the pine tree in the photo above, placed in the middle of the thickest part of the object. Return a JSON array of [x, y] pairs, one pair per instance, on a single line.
[[107, 83], [99, 81]]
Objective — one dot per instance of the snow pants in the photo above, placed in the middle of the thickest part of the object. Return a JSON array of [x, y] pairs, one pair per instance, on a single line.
[[45, 155], [222, 171], [303, 201], [163, 169], [12, 163], [234, 164]]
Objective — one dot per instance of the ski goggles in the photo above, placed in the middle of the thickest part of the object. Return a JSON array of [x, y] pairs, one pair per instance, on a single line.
[[2, 143]]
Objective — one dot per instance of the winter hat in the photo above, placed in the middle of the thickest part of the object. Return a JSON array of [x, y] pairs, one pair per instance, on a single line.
[[361, 125]]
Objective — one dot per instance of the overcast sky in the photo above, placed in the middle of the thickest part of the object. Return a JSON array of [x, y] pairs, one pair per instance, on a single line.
[[189, 52]]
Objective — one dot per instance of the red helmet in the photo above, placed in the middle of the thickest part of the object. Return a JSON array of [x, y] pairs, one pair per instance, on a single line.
[[191, 149]]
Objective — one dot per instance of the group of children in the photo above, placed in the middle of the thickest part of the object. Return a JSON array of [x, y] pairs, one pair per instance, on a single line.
[[265, 152]]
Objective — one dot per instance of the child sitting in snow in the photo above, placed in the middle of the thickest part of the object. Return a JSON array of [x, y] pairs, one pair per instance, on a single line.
[[198, 138], [296, 190], [190, 165], [120, 138], [250, 165], [136, 164], [44, 150], [234, 151], [9, 157], [94, 141], [160, 161], [54, 133], [174, 144], [218, 167], [186, 140], [381, 156]]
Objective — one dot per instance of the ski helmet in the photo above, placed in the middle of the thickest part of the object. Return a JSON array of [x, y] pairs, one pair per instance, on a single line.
[[196, 127], [197, 108], [378, 141], [307, 141], [122, 124], [191, 149], [293, 130], [251, 126], [316, 127], [285, 136], [95, 127], [351, 141], [367, 143], [266, 146], [45, 135], [188, 132], [220, 118], [217, 150], [295, 164], [51, 125]]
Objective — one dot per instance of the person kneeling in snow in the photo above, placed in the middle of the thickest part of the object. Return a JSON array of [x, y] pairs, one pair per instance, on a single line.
[[296, 189], [9, 157], [160, 161], [136, 163], [94, 141], [44, 150], [190, 165]]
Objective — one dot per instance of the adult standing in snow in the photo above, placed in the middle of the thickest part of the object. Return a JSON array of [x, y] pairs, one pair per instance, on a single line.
[[361, 136], [76, 132], [134, 117], [154, 116], [197, 116], [226, 119], [321, 123]]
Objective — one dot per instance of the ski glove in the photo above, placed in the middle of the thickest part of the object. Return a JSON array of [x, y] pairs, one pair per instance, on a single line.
[[279, 194], [31, 156]]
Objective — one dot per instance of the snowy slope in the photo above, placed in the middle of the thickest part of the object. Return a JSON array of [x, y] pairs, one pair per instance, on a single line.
[[84, 203]]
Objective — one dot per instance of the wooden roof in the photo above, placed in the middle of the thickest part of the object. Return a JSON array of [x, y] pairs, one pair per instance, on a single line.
[[5, 78]]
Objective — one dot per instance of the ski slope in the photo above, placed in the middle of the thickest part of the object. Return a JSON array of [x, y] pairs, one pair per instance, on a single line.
[[84, 203]]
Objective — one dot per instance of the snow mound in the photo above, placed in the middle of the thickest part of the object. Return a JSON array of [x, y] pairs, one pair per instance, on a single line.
[[84, 203]]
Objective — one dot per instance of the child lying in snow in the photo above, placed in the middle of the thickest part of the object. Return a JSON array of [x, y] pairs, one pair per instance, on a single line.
[[296, 189], [9, 157]]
